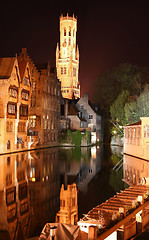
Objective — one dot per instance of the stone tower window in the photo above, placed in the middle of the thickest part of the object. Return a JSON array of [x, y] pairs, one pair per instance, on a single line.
[[69, 41], [63, 70], [8, 144], [73, 32], [64, 31], [69, 31]]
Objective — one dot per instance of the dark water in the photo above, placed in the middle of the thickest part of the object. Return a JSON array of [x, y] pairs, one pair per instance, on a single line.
[[30, 184]]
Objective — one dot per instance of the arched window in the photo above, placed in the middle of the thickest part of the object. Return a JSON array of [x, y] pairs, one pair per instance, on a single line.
[[64, 31], [69, 31], [8, 144]]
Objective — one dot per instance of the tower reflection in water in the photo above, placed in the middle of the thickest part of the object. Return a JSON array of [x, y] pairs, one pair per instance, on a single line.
[[30, 184]]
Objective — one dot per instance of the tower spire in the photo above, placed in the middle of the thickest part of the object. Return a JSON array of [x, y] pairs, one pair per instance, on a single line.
[[67, 57]]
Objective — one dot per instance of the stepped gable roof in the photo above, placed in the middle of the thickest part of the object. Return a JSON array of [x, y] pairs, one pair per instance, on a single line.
[[22, 66], [6, 65]]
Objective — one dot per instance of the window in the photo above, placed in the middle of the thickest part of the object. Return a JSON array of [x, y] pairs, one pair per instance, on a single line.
[[23, 111], [90, 116], [44, 101], [69, 42], [64, 31], [82, 107], [34, 85], [26, 81], [11, 108], [63, 70], [8, 144], [8, 179], [21, 127], [44, 123], [13, 93], [69, 31], [74, 71], [73, 32], [25, 96], [9, 126]]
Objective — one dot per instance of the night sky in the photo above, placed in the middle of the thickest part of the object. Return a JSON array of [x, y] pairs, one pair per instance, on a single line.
[[109, 33]]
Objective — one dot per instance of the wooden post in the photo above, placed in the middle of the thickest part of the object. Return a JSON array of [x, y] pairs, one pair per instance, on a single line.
[[92, 233]]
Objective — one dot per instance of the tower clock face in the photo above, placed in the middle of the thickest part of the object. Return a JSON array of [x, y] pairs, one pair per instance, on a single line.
[[64, 44]]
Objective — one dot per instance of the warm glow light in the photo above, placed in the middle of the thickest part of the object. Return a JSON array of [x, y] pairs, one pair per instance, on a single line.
[[33, 179], [93, 137], [93, 152]]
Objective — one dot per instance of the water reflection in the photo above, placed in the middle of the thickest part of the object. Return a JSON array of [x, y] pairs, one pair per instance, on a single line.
[[30, 184], [135, 170], [29, 191]]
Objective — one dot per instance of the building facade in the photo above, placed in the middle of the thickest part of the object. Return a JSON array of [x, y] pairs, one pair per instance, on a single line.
[[44, 112], [68, 205], [15, 85], [136, 138], [93, 119], [67, 58]]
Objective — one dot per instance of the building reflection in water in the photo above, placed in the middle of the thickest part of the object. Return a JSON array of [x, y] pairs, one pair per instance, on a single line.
[[84, 165], [14, 198], [29, 192], [68, 205], [30, 184], [135, 170]]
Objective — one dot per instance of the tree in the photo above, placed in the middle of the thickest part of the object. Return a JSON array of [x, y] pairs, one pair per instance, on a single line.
[[130, 77], [117, 109], [105, 91], [136, 109]]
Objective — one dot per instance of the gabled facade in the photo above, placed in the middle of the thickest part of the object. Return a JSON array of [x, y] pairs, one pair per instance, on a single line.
[[25, 92], [13, 111], [44, 112], [93, 119], [70, 115]]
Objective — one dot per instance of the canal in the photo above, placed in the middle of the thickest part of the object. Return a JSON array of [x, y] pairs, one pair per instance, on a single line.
[[30, 184]]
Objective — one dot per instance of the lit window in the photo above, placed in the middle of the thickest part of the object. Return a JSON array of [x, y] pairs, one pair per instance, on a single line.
[[13, 92], [11, 108], [21, 127], [25, 96], [23, 111], [9, 127], [32, 122]]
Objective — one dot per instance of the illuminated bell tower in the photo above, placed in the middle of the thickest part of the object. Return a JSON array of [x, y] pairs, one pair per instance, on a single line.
[[67, 58]]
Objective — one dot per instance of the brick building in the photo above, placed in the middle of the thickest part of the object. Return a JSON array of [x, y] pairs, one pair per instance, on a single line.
[[44, 112], [15, 85]]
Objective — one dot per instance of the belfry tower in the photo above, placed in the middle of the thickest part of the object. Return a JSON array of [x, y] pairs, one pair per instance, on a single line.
[[67, 58]]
